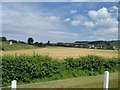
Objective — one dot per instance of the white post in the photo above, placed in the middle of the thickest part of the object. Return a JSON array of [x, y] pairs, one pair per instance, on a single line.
[[11, 43], [106, 80], [13, 85]]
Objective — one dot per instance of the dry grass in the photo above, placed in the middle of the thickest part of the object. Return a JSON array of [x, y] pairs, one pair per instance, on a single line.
[[62, 52]]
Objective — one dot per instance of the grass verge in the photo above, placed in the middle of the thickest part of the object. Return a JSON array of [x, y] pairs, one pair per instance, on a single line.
[[80, 82]]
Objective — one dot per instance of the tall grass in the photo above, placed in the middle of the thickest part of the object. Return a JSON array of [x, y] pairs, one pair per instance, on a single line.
[[26, 68]]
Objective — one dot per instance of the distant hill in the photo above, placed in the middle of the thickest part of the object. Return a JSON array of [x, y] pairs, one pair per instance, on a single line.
[[100, 44]]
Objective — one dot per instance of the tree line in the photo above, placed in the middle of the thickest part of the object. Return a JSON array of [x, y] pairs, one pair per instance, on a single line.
[[30, 41], [114, 44]]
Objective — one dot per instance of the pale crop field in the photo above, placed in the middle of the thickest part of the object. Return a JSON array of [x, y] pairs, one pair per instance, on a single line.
[[63, 52]]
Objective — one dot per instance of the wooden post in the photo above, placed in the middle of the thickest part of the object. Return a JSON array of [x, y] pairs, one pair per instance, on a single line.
[[13, 85], [106, 80]]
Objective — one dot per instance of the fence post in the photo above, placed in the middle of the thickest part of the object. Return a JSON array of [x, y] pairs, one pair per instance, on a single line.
[[13, 85], [106, 80]]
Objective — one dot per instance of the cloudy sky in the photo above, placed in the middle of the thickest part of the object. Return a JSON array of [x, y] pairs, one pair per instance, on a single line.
[[60, 0], [60, 21]]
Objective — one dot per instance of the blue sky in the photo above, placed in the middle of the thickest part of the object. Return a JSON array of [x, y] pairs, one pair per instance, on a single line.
[[60, 0], [60, 21]]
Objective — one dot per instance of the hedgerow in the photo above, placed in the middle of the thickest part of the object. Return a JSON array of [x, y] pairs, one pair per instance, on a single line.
[[26, 68]]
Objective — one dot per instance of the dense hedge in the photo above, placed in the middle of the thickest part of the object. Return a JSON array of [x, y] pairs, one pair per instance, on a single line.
[[25, 68]]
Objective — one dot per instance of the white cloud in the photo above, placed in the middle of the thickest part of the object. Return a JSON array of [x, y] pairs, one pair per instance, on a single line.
[[115, 8], [75, 34], [103, 18], [73, 11], [76, 22], [53, 18], [89, 24], [63, 34], [100, 14], [107, 33], [100, 34], [67, 20], [22, 23], [25, 22], [92, 14], [114, 11], [104, 23], [81, 18], [108, 22]]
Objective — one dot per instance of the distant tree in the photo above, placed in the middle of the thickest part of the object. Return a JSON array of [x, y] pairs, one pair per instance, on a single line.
[[36, 43], [14, 41], [41, 43], [108, 43], [30, 40], [21, 42], [48, 43], [3, 39]]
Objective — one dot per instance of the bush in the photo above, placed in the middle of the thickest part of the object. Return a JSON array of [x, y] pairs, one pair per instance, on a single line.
[[25, 68], [92, 64]]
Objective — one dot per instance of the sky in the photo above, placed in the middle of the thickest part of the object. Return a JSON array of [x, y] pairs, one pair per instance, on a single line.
[[60, 0], [60, 21]]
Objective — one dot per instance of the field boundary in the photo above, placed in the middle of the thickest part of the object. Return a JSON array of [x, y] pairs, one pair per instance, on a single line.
[[62, 80]]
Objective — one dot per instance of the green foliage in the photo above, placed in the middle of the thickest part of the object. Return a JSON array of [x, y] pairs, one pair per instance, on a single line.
[[3, 39], [13, 41], [25, 68], [48, 42], [30, 40], [92, 64]]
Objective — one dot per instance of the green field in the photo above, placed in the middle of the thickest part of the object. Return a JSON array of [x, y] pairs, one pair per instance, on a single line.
[[81, 82], [16, 46]]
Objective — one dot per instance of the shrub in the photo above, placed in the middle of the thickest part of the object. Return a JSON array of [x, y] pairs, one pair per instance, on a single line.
[[25, 68]]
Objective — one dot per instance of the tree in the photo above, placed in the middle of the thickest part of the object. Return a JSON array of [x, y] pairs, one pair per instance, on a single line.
[[14, 41], [30, 40], [48, 43], [22, 42], [36, 43], [3, 39]]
